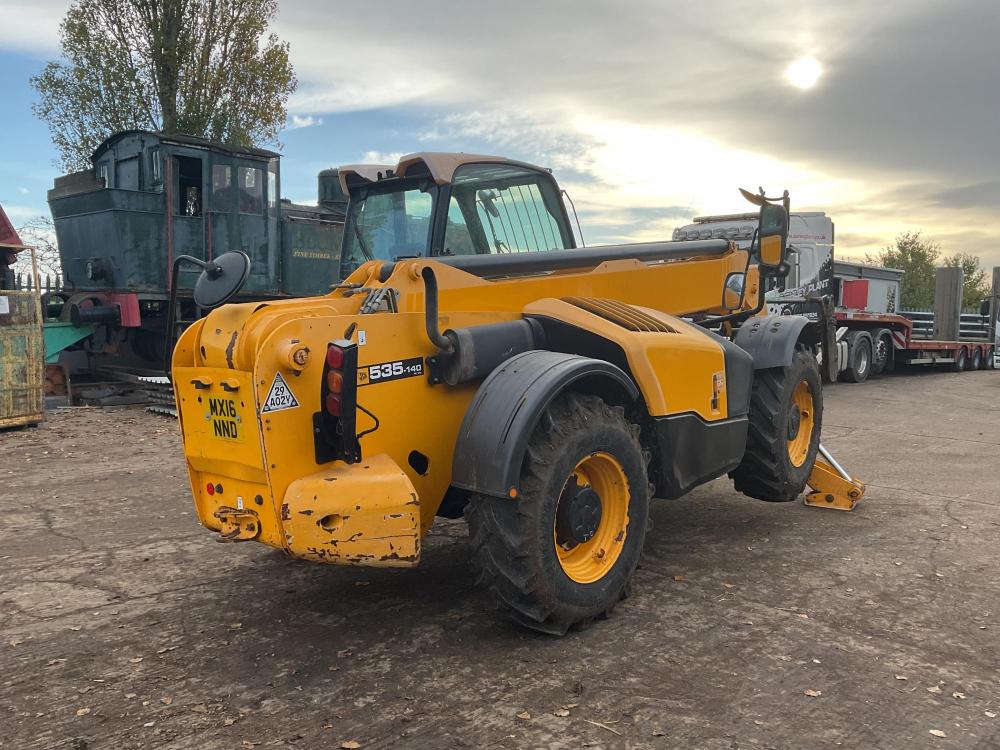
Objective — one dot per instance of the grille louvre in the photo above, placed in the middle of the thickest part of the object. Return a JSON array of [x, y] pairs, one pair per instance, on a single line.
[[619, 313]]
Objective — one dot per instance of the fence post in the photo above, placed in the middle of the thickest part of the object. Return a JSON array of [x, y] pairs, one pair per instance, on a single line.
[[947, 304]]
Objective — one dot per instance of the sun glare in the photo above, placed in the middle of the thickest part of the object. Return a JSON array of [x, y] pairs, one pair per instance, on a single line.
[[803, 72]]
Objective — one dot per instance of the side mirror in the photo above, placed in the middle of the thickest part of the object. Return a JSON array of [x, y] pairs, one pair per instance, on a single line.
[[733, 291], [221, 279], [984, 308], [773, 239]]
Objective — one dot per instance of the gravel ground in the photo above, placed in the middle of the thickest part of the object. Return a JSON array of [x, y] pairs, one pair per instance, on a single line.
[[124, 624]]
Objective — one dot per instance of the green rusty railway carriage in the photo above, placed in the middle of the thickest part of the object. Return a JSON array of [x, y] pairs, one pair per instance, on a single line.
[[150, 197]]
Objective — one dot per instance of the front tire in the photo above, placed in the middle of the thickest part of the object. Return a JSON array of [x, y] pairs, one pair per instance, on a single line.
[[786, 419], [859, 357], [562, 554]]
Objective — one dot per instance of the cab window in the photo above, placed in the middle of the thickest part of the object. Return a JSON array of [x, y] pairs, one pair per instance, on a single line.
[[388, 224], [503, 208]]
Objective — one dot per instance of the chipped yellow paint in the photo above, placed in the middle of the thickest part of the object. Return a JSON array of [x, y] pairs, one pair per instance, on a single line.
[[364, 514]]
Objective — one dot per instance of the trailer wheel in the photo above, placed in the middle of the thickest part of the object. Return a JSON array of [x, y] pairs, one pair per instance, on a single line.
[[977, 359], [562, 553], [881, 351], [859, 356], [786, 417], [962, 359]]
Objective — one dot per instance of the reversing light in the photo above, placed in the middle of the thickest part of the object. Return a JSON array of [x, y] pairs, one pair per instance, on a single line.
[[333, 405]]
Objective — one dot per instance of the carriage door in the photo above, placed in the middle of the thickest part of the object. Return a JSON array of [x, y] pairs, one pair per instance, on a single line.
[[188, 220]]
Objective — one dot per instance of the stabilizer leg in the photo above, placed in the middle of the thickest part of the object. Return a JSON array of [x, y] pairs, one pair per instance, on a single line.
[[832, 486]]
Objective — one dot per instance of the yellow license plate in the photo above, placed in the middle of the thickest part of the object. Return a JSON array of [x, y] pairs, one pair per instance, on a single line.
[[225, 418]]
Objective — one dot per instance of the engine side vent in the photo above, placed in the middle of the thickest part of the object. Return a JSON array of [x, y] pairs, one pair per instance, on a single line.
[[620, 314]]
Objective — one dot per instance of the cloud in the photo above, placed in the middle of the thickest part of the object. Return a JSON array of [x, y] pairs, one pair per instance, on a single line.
[[379, 157], [979, 195], [647, 105], [303, 121]]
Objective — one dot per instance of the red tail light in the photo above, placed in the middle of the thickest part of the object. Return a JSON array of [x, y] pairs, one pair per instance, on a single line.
[[334, 357]]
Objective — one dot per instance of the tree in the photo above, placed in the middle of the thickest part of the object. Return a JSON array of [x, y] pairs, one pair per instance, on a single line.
[[918, 258], [39, 233], [975, 285], [200, 67]]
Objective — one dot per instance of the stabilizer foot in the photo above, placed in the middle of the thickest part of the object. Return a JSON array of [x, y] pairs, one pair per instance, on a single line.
[[832, 486]]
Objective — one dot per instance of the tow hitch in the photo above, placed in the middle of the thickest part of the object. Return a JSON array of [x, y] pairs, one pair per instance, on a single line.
[[238, 524]]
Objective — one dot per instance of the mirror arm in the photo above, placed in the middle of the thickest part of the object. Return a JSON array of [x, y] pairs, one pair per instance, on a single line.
[[736, 316], [212, 268]]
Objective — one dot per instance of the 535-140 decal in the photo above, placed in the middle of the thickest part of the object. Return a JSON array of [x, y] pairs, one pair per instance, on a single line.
[[396, 370]]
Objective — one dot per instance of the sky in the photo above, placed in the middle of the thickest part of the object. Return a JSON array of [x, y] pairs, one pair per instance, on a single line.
[[884, 115]]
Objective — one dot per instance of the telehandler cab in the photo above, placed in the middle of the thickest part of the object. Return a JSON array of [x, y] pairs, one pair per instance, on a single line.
[[476, 361]]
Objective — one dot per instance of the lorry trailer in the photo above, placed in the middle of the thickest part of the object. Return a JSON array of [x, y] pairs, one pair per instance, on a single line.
[[872, 335]]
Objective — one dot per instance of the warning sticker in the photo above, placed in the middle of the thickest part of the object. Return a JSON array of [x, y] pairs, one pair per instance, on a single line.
[[280, 397]]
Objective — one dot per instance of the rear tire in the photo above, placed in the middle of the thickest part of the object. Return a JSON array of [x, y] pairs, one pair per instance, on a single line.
[[959, 365], [786, 419], [534, 553], [881, 351], [977, 360], [859, 357]]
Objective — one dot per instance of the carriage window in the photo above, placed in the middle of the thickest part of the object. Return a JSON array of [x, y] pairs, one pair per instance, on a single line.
[[189, 184], [222, 188], [272, 186], [251, 187], [500, 208], [155, 166], [102, 174]]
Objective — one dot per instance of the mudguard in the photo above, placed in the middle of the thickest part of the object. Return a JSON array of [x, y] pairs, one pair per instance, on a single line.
[[507, 407], [771, 340]]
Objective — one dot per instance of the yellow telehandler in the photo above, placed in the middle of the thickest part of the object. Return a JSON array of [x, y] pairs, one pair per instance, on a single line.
[[476, 361]]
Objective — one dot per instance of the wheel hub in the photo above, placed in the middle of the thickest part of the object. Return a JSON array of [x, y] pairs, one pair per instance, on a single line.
[[794, 423], [579, 514]]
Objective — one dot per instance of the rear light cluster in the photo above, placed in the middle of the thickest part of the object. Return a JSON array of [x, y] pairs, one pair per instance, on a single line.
[[336, 425]]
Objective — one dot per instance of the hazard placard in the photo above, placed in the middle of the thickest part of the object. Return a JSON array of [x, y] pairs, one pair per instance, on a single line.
[[280, 397]]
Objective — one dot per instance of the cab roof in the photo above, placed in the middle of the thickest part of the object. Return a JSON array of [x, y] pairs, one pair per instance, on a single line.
[[439, 165]]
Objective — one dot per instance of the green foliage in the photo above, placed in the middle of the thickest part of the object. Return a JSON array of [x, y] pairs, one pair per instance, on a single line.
[[918, 258], [975, 284], [201, 67]]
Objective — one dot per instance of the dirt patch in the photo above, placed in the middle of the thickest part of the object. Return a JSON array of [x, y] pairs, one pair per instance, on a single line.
[[124, 624]]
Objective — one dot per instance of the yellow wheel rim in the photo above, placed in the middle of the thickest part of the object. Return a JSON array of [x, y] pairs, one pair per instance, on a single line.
[[590, 560], [800, 423]]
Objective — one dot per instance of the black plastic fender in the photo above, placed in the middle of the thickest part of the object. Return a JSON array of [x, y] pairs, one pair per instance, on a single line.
[[771, 340], [507, 407]]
